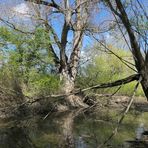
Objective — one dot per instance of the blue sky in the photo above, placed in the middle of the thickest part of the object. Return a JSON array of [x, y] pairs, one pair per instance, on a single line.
[[102, 15]]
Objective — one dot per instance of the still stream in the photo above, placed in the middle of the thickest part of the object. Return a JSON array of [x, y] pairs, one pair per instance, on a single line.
[[72, 130]]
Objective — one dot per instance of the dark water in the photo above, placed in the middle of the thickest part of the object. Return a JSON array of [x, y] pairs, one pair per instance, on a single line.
[[71, 129]]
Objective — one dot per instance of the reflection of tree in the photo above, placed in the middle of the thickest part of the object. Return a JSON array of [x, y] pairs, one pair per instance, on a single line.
[[15, 138], [67, 122], [34, 133]]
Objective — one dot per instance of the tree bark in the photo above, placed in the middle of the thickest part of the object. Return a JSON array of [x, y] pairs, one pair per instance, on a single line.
[[72, 101], [144, 81], [68, 70], [140, 62], [75, 19]]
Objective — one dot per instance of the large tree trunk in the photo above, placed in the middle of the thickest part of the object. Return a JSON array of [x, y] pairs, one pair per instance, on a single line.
[[68, 69], [144, 81], [75, 20], [68, 82]]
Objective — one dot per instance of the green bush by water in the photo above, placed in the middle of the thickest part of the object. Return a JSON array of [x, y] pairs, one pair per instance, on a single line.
[[105, 68]]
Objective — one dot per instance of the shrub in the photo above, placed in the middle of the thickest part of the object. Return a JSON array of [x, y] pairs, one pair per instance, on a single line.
[[104, 68]]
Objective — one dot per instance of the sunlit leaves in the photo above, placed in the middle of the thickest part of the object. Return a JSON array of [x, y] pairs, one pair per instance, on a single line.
[[28, 57]]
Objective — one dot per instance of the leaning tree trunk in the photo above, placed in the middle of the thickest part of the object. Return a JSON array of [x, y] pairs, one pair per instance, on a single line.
[[144, 81], [141, 62]]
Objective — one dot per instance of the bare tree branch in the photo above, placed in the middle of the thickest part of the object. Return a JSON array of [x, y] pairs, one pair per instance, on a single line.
[[115, 83], [49, 4], [121, 59], [11, 25], [114, 132], [112, 8], [144, 11], [139, 60]]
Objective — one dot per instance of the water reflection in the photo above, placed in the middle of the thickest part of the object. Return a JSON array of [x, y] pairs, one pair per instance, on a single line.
[[66, 127], [15, 138], [139, 131], [74, 129]]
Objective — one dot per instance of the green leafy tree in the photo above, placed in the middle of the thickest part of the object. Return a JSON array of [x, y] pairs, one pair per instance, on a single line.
[[28, 59]]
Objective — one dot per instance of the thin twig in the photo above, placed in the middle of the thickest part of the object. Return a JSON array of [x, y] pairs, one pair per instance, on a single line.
[[123, 115]]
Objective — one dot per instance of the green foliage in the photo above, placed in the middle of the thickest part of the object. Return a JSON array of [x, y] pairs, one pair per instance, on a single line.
[[43, 84], [106, 68], [28, 58]]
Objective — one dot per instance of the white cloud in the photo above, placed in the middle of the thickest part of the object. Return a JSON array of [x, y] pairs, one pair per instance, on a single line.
[[21, 9]]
